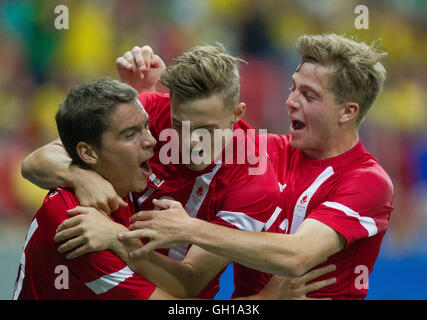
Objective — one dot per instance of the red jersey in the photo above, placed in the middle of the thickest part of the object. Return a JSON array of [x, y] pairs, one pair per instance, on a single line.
[[350, 193], [225, 194], [45, 273]]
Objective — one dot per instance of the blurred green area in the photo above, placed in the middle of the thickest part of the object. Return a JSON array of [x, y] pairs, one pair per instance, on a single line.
[[39, 64]]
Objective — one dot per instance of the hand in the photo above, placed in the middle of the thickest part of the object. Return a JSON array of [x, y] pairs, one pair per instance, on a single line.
[[140, 68], [284, 288], [87, 231], [166, 228], [92, 190]]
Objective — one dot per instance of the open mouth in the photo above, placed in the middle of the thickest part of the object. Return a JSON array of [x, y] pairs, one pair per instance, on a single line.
[[297, 125], [145, 167], [197, 152]]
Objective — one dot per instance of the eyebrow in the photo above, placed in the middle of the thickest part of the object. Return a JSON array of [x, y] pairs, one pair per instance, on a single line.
[[307, 87], [131, 128], [134, 127]]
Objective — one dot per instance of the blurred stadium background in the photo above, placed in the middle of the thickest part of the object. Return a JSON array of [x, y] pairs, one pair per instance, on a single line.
[[39, 64]]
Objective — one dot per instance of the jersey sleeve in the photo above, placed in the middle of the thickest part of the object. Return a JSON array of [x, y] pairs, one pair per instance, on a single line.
[[157, 105], [104, 273], [250, 202], [358, 207]]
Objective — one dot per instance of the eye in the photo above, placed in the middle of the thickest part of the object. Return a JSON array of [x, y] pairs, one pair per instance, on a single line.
[[130, 134], [307, 96]]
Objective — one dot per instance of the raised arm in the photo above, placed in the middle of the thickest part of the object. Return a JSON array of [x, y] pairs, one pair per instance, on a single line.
[[140, 68], [50, 166]]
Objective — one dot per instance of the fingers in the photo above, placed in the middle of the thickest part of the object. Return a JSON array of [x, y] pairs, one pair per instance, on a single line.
[[71, 244], [78, 210], [318, 285], [139, 58], [157, 62], [142, 57], [78, 252], [141, 216], [113, 203], [104, 206], [121, 62], [150, 246], [140, 233], [68, 223], [316, 273], [122, 203], [116, 203], [67, 234], [165, 203]]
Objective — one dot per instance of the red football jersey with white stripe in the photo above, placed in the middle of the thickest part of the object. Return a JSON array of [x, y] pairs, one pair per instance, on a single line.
[[223, 193], [351, 193], [45, 273]]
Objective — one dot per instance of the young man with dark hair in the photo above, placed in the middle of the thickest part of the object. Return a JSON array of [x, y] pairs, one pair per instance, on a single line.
[[103, 127]]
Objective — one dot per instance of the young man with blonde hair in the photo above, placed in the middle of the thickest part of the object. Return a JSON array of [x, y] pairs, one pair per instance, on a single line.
[[336, 198]]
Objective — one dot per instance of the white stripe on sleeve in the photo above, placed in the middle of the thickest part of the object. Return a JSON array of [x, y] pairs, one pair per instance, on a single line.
[[241, 220], [109, 281], [366, 222]]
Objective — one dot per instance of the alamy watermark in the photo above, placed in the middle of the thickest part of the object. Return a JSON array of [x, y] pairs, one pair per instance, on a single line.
[[362, 20], [202, 146], [62, 21]]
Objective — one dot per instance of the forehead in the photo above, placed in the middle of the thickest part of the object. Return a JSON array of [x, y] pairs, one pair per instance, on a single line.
[[312, 75], [204, 111], [127, 115]]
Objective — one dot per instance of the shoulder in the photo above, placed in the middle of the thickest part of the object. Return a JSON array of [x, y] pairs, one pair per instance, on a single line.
[[368, 178], [55, 205], [260, 183], [368, 190], [152, 101]]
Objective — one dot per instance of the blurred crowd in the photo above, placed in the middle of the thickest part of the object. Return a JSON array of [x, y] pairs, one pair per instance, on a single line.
[[39, 64]]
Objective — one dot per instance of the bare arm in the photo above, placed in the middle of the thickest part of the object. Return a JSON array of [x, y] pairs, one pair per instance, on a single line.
[[185, 278], [282, 254], [90, 231], [50, 166]]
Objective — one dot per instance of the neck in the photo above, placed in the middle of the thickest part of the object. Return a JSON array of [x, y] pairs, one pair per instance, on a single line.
[[334, 147]]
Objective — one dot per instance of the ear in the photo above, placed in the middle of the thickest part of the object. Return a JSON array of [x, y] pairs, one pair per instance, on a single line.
[[239, 111], [349, 112], [87, 153]]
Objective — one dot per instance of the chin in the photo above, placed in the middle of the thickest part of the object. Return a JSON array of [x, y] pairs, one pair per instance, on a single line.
[[197, 167], [295, 143]]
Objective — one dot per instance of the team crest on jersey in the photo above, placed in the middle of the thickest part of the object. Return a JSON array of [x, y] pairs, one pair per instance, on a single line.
[[199, 192], [303, 200]]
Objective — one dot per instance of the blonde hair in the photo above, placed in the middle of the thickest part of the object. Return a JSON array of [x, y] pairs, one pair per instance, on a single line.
[[202, 71], [357, 74]]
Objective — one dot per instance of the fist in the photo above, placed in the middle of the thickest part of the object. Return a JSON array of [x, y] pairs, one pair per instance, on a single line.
[[140, 68]]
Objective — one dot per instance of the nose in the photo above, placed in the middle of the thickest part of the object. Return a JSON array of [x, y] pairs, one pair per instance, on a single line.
[[196, 136], [291, 103], [148, 141]]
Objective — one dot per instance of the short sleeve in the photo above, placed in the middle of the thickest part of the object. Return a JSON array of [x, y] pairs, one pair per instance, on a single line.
[[103, 273], [157, 105], [249, 202], [109, 278], [358, 207]]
